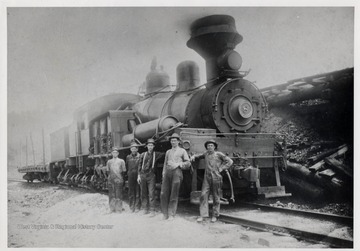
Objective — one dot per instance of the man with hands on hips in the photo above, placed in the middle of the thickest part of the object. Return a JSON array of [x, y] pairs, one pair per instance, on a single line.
[[215, 163]]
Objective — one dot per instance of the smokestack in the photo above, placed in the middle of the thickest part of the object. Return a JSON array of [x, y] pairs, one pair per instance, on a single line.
[[214, 38]]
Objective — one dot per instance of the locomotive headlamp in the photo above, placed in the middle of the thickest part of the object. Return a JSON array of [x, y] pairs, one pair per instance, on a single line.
[[186, 144], [245, 108], [240, 110], [230, 60]]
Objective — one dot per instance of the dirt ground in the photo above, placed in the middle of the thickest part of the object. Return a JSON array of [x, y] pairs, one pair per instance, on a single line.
[[40, 215]]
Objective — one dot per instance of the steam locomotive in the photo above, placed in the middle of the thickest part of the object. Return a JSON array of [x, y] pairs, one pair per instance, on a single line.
[[227, 108]]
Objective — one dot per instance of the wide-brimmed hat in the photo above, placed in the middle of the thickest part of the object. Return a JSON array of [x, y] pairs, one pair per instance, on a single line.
[[115, 149], [150, 141], [175, 136], [212, 142]]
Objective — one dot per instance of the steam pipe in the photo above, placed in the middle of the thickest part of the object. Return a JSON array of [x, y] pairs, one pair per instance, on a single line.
[[231, 186]]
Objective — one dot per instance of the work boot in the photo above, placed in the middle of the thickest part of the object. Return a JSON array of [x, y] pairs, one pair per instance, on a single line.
[[171, 218], [165, 217], [200, 219], [213, 219]]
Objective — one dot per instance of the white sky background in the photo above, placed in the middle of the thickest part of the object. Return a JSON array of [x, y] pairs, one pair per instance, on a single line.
[[61, 58]]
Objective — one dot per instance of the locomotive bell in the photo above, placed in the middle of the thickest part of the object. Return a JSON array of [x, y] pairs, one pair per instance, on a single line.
[[214, 38]]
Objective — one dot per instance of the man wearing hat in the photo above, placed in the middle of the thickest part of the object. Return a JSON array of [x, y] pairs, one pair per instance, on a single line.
[[215, 163], [176, 160], [116, 168], [132, 165], [147, 178]]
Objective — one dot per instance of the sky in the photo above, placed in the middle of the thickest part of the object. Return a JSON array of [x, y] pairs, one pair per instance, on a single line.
[[57, 55], [59, 58]]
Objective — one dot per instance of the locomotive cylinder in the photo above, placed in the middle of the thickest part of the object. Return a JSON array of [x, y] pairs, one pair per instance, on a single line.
[[148, 130]]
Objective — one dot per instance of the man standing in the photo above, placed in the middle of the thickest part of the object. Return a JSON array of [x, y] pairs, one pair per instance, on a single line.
[[215, 163], [132, 165], [147, 178], [176, 160], [116, 168]]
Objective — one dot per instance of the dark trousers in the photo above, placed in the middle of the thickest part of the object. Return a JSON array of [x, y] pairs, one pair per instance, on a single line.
[[134, 191], [170, 191], [213, 185], [115, 186], [148, 191]]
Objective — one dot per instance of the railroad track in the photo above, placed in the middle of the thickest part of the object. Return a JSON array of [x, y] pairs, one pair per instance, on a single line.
[[259, 225], [23, 181], [281, 230], [345, 220]]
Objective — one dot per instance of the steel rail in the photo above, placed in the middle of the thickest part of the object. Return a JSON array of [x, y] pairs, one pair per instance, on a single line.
[[349, 221], [299, 234], [24, 181]]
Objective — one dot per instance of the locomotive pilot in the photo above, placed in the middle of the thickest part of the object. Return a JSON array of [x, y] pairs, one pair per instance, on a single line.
[[176, 160], [147, 178], [132, 164], [115, 168], [215, 163]]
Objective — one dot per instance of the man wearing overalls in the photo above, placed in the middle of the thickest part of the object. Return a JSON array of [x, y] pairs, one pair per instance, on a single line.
[[215, 163]]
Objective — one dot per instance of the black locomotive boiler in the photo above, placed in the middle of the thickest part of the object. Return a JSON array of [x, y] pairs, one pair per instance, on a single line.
[[227, 108]]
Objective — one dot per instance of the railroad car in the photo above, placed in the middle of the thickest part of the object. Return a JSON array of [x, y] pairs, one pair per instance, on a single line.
[[227, 108]]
